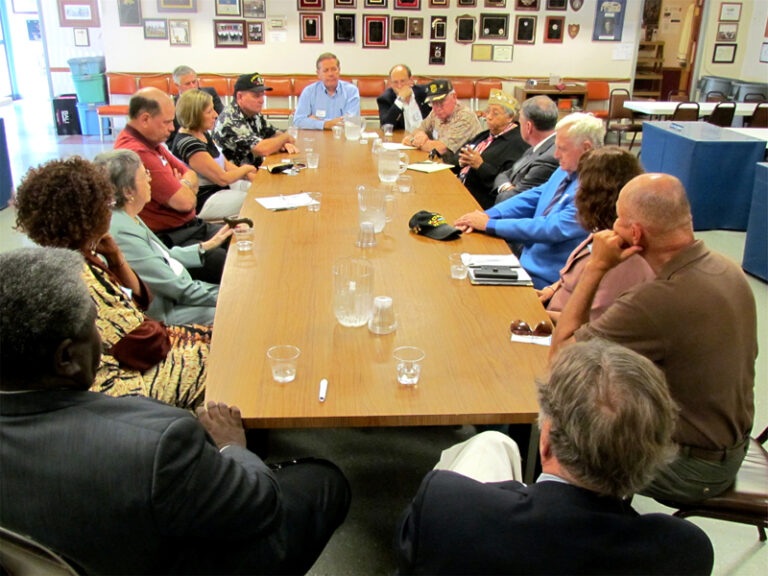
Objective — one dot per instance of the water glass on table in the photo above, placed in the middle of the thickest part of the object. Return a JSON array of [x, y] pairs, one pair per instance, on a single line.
[[244, 238], [283, 360], [408, 361], [458, 268]]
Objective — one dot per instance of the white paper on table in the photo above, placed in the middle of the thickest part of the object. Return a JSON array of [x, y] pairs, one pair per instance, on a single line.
[[396, 146], [540, 340], [490, 260], [429, 167], [284, 202], [369, 135]]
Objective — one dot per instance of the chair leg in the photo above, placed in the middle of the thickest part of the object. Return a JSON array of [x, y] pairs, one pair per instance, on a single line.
[[761, 532], [101, 128], [634, 135]]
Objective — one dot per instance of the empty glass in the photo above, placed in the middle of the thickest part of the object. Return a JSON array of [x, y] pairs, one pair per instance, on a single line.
[[317, 198], [383, 318], [366, 238], [313, 159], [405, 184], [352, 291], [387, 129], [458, 268], [408, 359], [283, 360], [244, 238], [337, 131]]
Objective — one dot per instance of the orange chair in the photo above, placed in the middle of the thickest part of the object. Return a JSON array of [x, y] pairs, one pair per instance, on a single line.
[[465, 90], [160, 81], [117, 85], [281, 88], [301, 82], [219, 83], [598, 92], [370, 88], [483, 89]]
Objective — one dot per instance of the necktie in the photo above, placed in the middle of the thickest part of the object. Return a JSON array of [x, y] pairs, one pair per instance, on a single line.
[[559, 193]]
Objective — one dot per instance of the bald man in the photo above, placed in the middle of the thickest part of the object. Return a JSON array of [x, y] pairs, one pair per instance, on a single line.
[[696, 321], [402, 104], [171, 212]]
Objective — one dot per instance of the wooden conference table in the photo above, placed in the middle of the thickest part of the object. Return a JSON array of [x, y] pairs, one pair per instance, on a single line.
[[282, 292]]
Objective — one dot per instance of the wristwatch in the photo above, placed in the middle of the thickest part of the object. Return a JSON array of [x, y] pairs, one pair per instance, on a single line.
[[201, 250]]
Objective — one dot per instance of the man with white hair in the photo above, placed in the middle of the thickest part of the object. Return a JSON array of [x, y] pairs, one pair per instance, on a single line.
[[544, 219]]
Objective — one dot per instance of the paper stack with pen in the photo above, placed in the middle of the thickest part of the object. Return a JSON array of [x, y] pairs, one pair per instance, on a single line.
[[496, 270], [286, 202]]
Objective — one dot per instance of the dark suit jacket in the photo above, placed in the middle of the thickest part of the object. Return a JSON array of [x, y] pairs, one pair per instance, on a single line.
[[391, 114], [132, 486], [533, 169], [217, 105], [456, 525]]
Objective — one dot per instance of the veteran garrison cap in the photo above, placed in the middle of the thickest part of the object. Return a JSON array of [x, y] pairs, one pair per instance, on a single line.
[[505, 100], [437, 90], [432, 225], [251, 82]]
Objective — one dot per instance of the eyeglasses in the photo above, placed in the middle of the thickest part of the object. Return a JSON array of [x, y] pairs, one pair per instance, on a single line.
[[521, 328]]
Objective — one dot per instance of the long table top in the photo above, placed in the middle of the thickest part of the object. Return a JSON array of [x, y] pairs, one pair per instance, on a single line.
[[282, 292], [653, 108]]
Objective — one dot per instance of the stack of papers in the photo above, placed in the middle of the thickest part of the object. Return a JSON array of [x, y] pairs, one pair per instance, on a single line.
[[428, 166], [496, 270], [396, 146], [284, 202]]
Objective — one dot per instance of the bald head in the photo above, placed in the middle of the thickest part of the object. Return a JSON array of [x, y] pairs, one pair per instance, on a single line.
[[658, 202], [151, 113]]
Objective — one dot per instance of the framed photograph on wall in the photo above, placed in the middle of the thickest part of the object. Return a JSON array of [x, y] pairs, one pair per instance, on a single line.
[[496, 3], [345, 3], [764, 52], [730, 11], [375, 31], [255, 32], [176, 5], [494, 26], [438, 29], [502, 53], [727, 31], [463, 3], [555, 29], [155, 29], [399, 28], [25, 7], [407, 5], [129, 12], [377, 3], [465, 29], [557, 4], [609, 20], [526, 4], [311, 27], [437, 53], [416, 27], [78, 14], [229, 33], [438, 3], [343, 27], [482, 52], [310, 4], [178, 30], [724, 54], [254, 8], [81, 37], [525, 29], [228, 8]]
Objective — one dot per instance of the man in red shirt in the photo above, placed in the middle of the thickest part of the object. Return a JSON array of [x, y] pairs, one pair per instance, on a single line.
[[171, 212]]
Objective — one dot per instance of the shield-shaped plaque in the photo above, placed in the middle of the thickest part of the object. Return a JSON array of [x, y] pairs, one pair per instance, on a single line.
[[576, 5], [573, 30]]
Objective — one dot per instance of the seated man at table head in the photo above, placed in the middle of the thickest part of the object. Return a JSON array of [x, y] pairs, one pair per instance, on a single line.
[[241, 131], [606, 419], [171, 212], [696, 320], [130, 485], [323, 104], [544, 219], [538, 118], [448, 126], [186, 79], [402, 104]]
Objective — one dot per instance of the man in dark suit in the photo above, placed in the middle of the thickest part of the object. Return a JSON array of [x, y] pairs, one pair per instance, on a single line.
[[606, 420], [402, 104], [130, 485], [538, 118], [185, 79]]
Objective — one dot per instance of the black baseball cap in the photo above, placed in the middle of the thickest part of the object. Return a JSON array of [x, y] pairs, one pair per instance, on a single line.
[[251, 82], [437, 90], [432, 225]]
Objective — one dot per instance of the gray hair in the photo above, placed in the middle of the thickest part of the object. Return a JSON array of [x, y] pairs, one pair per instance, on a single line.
[[44, 300], [180, 71], [120, 166], [583, 127], [541, 111], [327, 56], [611, 416]]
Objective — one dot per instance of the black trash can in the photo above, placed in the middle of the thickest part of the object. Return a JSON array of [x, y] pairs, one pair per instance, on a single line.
[[65, 115]]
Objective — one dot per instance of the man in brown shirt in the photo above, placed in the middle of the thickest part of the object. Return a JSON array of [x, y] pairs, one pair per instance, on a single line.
[[696, 321]]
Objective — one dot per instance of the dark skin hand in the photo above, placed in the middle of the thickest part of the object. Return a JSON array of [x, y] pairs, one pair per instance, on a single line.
[[224, 423]]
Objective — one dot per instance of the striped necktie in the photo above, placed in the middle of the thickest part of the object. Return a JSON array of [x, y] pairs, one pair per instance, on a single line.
[[559, 193]]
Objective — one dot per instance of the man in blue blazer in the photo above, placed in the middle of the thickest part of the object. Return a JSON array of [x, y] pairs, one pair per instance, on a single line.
[[544, 219], [607, 419], [130, 485], [402, 104]]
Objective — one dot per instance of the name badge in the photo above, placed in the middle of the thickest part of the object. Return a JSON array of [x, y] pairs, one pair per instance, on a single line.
[[434, 135], [320, 114]]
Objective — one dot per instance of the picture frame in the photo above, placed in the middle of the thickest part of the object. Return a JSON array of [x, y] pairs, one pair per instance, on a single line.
[[727, 31], [437, 53], [81, 36], [375, 31], [724, 54], [415, 27], [609, 20], [399, 25], [465, 29], [438, 28], [229, 33], [129, 12], [176, 5], [502, 53], [557, 5], [730, 12], [377, 4], [78, 13], [764, 52], [526, 5], [254, 8], [33, 30], [344, 27], [438, 3], [495, 3], [407, 5], [554, 30], [466, 3], [310, 5], [310, 27], [525, 29], [228, 8], [24, 6], [254, 31], [155, 28], [494, 26], [345, 3], [178, 32], [482, 52]]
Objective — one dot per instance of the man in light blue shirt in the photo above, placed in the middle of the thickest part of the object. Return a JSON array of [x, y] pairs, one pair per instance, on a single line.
[[323, 104]]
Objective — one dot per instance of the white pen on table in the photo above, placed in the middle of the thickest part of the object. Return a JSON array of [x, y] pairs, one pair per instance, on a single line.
[[323, 390]]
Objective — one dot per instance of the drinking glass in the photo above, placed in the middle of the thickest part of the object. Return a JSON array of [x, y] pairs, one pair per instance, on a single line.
[[408, 359], [283, 359]]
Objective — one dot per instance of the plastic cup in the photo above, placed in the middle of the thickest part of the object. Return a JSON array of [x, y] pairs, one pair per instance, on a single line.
[[367, 236], [458, 268], [283, 360], [405, 184], [313, 159], [408, 364], [244, 238], [317, 197], [383, 318], [337, 132]]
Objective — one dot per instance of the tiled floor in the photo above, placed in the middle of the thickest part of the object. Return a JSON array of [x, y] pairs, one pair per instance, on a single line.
[[385, 466]]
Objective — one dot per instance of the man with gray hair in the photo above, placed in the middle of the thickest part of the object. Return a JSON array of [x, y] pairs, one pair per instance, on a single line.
[[606, 419], [544, 219], [185, 79], [323, 104], [129, 485], [538, 118], [697, 321]]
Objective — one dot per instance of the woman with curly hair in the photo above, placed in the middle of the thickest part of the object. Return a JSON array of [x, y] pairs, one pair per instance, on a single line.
[[602, 175], [67, 204]]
